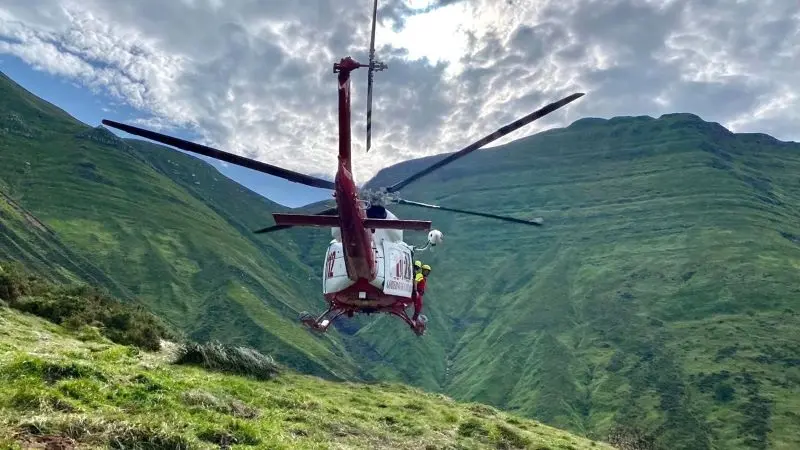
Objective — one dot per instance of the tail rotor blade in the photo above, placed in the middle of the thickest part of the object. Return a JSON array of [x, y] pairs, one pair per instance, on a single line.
[[538, 221], [519, 123]]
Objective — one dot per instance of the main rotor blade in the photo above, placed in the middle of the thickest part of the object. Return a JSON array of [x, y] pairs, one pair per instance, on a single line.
[[370, 73], [327, 212], [519, 123], [286, 174], [538, 221]]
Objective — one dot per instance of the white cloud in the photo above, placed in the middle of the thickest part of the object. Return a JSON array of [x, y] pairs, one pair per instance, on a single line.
[[254, 77], [438, 35]]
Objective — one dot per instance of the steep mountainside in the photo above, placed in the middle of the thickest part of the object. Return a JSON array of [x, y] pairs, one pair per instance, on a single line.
[[662, 292], [26, 239], [165, 227]]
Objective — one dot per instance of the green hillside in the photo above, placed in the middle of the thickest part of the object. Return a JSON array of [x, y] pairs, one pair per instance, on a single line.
[[24, 238], [65, 388], [661, 294], [167, 228]]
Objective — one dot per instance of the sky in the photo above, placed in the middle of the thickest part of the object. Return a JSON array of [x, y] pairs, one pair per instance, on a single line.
[[254, 77]]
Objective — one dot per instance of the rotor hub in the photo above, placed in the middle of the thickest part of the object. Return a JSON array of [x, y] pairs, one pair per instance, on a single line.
[[379, 66], [377, 197]]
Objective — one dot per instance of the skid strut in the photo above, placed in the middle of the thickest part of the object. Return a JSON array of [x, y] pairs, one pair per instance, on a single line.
[[322, 322], [400, 311], [325, 320]]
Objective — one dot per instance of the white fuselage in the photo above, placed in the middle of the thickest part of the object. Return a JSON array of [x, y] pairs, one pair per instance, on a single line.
[[393, 258]]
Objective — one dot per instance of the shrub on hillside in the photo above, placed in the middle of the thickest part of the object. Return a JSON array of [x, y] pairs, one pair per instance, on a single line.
[[15, 282], [630, 438], [227, 358], [78, 306]]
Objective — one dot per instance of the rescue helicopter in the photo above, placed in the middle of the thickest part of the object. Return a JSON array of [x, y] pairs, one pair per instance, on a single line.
[[368, 267]]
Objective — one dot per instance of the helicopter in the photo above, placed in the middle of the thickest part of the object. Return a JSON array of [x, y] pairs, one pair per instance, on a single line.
[[368, 267]]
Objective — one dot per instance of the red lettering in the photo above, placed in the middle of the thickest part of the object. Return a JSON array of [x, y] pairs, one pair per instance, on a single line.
[[399, 267], [331, 260]]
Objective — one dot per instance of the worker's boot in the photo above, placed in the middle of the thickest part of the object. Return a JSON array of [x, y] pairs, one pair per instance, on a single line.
[[310, 321], [419, 324]]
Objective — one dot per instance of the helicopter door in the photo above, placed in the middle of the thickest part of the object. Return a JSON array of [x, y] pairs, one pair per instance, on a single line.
[[399, 269], [379, 265], [334, 272]]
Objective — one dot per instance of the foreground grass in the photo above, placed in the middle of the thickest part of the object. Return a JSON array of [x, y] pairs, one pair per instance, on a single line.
[[83, 390]]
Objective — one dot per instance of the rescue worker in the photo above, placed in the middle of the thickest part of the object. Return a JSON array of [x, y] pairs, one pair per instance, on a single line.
[[417, 278], [420, 280]]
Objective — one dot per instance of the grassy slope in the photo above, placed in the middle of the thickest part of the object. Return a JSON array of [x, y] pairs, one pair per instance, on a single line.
[[176, 245], [661, 294], [24, 238], [58, 388]]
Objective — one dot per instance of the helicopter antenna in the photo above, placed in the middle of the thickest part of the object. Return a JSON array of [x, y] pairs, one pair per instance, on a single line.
[[374, 66]]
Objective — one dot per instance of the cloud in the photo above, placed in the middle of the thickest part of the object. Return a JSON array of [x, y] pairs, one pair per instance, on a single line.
[[255, 77]]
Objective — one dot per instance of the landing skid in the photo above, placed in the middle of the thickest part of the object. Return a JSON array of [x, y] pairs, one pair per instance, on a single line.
[[321, 323]]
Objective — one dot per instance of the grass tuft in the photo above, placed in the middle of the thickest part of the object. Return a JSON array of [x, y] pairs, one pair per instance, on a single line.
[[228, 359], [473, 428], [226, 405], [49, 371], [233, 432], [37, 399], [94, 430], [507, 437]]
